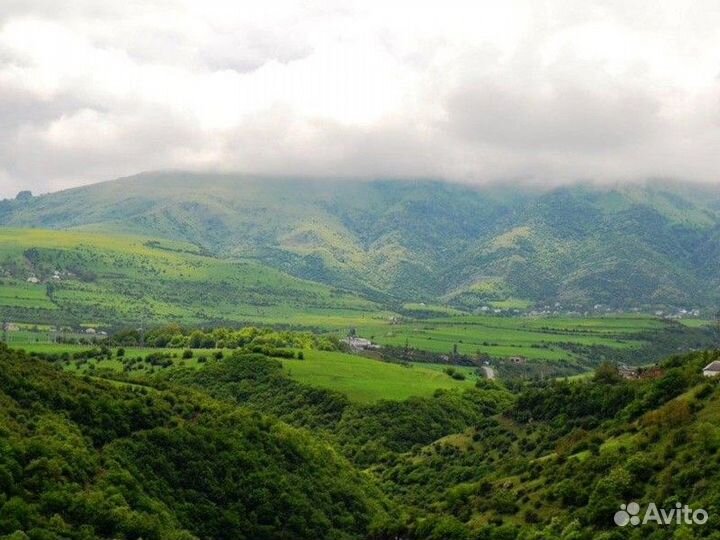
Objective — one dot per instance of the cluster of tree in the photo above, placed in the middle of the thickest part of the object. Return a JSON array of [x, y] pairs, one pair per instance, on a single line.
[[563, 457], [249, 338], [188, 453], [81, 458], [366, 434]]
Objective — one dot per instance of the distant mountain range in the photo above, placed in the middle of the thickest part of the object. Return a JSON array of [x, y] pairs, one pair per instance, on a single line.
[[656, 244]]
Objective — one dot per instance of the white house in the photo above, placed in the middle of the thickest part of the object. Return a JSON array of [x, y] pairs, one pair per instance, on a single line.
[[359, 344], [712, 369], [33, 280]]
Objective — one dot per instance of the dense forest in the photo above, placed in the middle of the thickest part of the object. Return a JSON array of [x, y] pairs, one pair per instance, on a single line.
[[87, 458], [238, 449]]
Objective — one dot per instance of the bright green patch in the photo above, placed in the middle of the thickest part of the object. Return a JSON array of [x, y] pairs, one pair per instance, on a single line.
[[367, 380]]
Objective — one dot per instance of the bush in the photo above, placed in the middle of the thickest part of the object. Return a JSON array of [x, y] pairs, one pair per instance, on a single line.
[[187, 353]]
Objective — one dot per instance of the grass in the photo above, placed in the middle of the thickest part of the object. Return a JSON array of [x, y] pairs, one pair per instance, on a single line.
[[696, 323], [471, 373], [108, 278], [366, 380], [501, 337], [26, 295], [363, 380]]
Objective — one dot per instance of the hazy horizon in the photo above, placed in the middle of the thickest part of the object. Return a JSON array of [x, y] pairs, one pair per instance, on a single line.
[[527, 184]]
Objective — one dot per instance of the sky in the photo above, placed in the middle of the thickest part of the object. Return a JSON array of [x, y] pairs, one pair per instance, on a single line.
[[537, 91]]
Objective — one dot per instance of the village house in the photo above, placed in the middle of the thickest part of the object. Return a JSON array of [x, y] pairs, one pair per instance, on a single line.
[[517, 359], [360, 344], [33, 280], [712, 369]]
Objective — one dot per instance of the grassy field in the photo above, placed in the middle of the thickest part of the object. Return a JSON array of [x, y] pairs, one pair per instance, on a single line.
[[92, 278], [96, 279], [361, 379], [697, 323], [552, 339], [367, 380], [533, 338]]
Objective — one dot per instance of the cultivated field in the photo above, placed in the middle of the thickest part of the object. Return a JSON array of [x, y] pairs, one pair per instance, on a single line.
[[532, 338]]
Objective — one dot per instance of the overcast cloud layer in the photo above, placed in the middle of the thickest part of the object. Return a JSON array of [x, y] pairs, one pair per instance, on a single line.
[[471, 91]]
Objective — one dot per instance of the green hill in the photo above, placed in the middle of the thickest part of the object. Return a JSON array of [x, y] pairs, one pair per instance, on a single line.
[[101, 278], [398, 241], [192, 452], [560, 461], [83, 458]]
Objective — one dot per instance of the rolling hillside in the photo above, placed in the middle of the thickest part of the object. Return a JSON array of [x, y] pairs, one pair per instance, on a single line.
[[85, 458], [92, 278], [627, 246]]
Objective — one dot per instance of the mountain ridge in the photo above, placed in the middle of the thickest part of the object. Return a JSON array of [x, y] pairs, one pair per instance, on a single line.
[[625, 246]]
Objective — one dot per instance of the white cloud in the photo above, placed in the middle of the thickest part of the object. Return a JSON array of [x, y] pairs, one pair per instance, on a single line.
[[475, 91]]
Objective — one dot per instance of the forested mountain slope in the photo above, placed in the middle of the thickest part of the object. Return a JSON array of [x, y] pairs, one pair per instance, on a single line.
[[626, 246], [84, 458]]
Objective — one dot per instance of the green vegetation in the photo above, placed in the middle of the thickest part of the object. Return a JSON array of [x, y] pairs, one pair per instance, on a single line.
[[205, 451], [82, 458], [308, 358], [571, 342], [367, 380], [112, 279], [413, 242], [185, 374], [563, 457]]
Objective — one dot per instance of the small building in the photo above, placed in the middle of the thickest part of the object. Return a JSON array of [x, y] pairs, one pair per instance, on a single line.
[[712, 369], [517, 359], [627, 372], [33, 280], [359, 344], [91, 331]]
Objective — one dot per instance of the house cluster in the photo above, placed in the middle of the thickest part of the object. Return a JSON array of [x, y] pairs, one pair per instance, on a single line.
[[55, 276], [359, 344], [93, 332], [681, 314]]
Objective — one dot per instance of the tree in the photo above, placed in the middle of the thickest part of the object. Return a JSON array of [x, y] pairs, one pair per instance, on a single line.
[[607, 373]]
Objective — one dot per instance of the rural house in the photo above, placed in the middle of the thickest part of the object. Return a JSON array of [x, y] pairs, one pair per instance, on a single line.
[[712, 369], [359, 344]]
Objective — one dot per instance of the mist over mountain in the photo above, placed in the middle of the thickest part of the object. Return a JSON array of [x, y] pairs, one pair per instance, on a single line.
[[655, 244]]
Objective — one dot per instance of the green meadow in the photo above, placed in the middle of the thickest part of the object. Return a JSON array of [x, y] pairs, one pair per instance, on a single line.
[[107, 278], [367, 380], [363, 380], [533, 338]]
